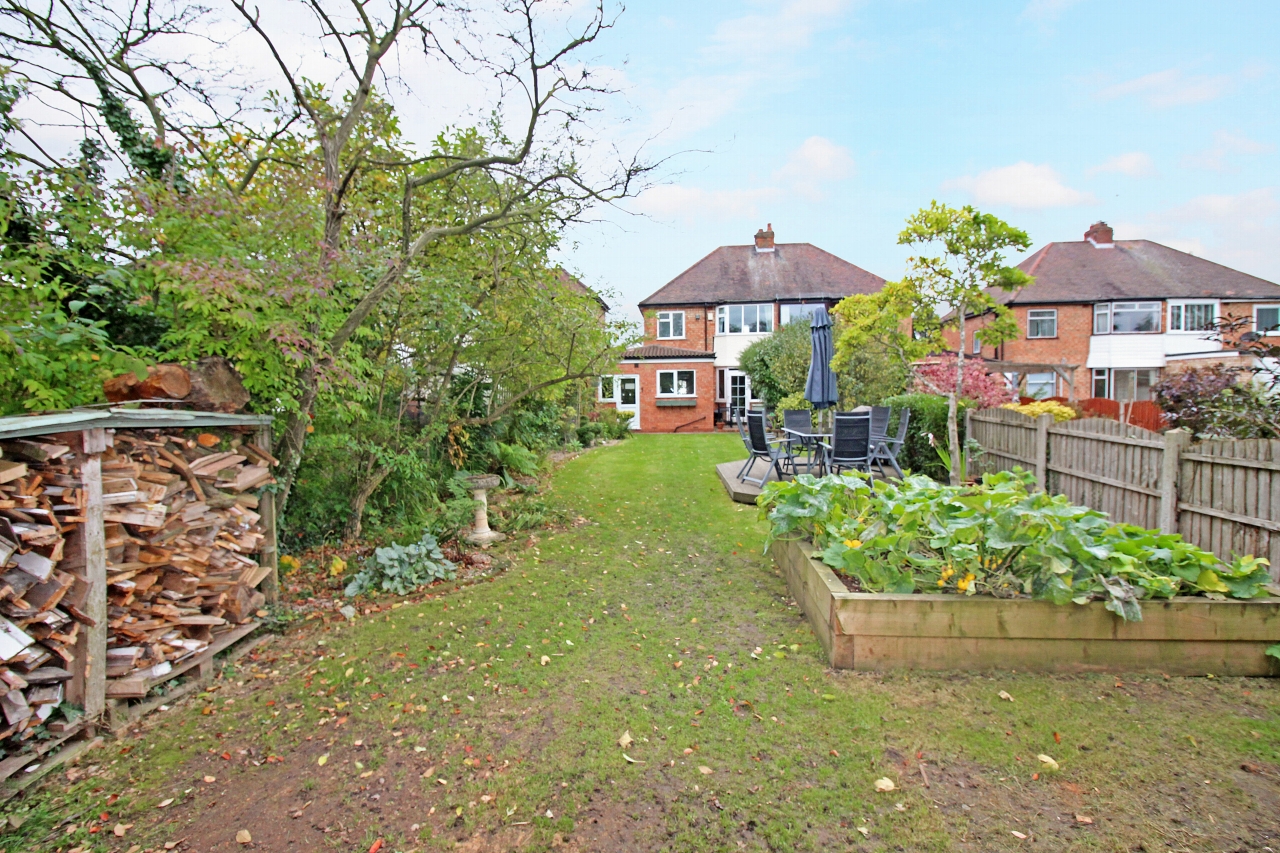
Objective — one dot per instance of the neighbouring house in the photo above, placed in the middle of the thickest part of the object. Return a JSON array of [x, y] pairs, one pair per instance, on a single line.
[[1107, 318], [685, 376]]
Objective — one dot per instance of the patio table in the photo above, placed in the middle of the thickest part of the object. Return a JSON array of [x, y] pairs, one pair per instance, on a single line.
[[811, 442]]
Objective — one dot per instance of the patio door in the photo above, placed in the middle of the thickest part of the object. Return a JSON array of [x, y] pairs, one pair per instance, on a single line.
[[629, 397], [739, 392]]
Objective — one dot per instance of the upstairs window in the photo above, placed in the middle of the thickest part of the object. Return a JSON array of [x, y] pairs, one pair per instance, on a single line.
[[1192, 316], [744, 319], [796, 312], [670, 324], [1266, 319], [1126, 318], [675, 383], [1042, 323]]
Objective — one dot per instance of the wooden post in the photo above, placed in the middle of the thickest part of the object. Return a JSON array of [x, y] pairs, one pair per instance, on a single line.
[[91, 645], [1042, 450], [1175, 440], [269, 556]]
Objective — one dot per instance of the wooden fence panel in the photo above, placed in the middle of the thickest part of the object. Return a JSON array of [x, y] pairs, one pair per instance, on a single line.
[[1110, 466], [1008, 439], [1229, 498]]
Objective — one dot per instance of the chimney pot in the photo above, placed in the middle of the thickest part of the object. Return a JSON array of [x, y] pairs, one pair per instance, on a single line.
[[1100, 235], [764, 239]]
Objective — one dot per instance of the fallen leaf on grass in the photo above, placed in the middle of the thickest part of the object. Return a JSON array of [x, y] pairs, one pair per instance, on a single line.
[[1047, 761], [626, 740], [1017, 834], [631, 760], [376, 846], [1083, 818], [705, 770], [323, 760], [884, 784], [121, 829], [243, 836], [164, 803], [209, 780], [1057, 738], [545, 660], [1005, 696], [828, 697]]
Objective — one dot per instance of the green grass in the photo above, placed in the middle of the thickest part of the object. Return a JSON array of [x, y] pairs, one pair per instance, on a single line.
[[649, 611]]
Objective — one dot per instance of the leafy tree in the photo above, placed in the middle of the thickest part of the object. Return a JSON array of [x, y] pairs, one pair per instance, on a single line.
[[779, 364], [902, 319]]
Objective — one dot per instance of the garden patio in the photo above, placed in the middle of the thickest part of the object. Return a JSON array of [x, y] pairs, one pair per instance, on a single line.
[[642, 681]]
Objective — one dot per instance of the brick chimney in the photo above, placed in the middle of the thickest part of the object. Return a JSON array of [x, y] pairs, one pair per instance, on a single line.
[[764, 239], [1100, 235]]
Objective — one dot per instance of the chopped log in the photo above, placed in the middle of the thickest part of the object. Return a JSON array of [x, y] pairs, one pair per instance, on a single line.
[[11, 470], [211, 384], [165, 381]]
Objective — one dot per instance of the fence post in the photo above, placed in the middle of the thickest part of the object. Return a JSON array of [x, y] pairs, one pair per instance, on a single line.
[[1175, 440], [1042, 450]]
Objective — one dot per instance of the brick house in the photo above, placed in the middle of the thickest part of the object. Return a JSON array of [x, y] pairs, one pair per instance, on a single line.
[[1107, 317], [686, 375]]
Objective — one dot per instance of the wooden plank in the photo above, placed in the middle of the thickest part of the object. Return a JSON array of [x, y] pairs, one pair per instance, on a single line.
[[1223, 515], [743, 493], [1109, 439], [1075, 655], [1259, 464], [268, 556], [1106, 481], [91, 645]]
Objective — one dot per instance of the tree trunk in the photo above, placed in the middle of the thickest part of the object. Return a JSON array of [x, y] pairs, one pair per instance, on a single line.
[[295, 437], [368, 485], [953, 438]]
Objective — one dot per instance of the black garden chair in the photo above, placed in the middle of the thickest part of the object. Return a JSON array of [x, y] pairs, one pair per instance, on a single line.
[[886, 449], [759, 445], [850, 445]]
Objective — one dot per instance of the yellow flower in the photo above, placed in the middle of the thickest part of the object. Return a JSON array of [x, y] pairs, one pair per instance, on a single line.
[[942, 582], [853, 543]]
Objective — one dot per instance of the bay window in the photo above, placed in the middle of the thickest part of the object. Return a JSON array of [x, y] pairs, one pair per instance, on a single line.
[[1126, 318], [744, 319], [1192, 316]]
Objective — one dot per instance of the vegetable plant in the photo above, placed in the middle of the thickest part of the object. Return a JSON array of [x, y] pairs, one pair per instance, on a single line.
[[400, 569], [1002, 537]]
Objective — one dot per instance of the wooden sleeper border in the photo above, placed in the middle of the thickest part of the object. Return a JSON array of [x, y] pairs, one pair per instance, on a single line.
[[879, 631]]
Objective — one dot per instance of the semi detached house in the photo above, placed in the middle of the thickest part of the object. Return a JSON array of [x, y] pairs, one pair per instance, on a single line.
[[686, 377], [1107, 317]]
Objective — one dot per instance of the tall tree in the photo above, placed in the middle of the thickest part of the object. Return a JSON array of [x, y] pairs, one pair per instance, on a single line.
[[904, 317]]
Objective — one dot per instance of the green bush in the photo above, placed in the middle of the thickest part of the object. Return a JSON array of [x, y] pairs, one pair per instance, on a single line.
[[615, 425], [400, 569], [1004, 538], [928, 415]]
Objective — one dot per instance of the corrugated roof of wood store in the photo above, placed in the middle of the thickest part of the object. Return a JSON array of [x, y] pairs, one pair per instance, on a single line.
[[118, 417]]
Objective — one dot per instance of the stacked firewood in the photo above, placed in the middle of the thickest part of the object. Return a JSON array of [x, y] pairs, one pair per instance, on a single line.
[[182, 527], [43, 585]]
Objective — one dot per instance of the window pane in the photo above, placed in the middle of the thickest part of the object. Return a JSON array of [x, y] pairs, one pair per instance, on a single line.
[[1123, 385], [1100, 383], [627, 392], [1041, 385], [1199, 317], [1129, 317], [1143, 382], [720, 384], [677, 324], [1101, 319], [1269, 319], [749, 318], [664, 325], [684, 382], [1042, 324], [720, 320], [735, 319], [1175, 318], [977, 344], [765, 320], [666, 382], [606, 387]]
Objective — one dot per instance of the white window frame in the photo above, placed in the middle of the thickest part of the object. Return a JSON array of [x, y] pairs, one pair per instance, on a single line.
[[1108, 310], [1179, 308], [1052, 316], [722, 317], [613, 389], [1101, 373], [669, 318], [1050, 377], [1257, 327], [675, 382], [787, 308], [977, 343]]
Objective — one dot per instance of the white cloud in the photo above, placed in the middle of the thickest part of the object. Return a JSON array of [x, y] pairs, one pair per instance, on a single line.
[[1173, 87], [1237, 230], [1045, 11], [1023, 185], [1225, 145], [814, 166], [786, 29], [689, 204], [1135, 164]]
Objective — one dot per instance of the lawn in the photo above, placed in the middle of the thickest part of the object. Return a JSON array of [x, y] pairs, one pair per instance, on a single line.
[[641, 681]]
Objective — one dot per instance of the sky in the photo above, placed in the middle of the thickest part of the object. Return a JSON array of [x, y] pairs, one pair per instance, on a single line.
[[835, 120]]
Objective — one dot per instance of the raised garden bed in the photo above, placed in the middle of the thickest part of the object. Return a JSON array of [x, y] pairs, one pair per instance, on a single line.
[[877, 631]]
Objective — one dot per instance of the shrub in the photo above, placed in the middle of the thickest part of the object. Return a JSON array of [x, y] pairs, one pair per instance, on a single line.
[[928, 415], [400, 569], [615, 425], [1004, 537], [1043, 407], [779, 364], [938, 375], [1213, 402]]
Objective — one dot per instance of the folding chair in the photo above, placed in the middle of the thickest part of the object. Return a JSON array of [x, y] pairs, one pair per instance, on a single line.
[[887, 449], [760, 447]]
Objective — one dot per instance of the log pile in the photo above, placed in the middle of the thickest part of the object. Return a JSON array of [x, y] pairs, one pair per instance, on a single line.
[[42, 586], [181, 530]]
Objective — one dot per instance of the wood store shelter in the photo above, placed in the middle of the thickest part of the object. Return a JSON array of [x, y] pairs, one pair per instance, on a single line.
[[135, 544]]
